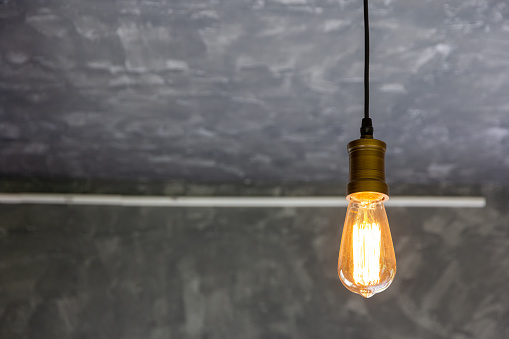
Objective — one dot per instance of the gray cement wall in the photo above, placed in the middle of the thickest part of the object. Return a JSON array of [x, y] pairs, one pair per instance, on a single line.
[[116, 272], [264, 90]]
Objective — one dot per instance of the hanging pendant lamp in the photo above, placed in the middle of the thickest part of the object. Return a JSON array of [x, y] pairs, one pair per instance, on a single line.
[[367, 263]]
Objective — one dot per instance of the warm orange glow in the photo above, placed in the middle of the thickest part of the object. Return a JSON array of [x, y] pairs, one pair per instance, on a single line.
[[366, 253], [367, 264]]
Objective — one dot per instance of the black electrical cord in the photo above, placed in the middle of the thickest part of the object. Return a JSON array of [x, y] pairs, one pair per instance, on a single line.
[[367, 126], [366, 60]]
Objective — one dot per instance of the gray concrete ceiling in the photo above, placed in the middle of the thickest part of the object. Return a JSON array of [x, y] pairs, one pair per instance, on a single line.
[[266, 90]]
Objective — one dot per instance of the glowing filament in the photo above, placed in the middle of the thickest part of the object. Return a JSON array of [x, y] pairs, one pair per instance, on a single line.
[[366, 253]]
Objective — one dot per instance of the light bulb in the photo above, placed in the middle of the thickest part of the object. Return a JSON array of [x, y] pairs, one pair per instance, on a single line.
[[367, 264]]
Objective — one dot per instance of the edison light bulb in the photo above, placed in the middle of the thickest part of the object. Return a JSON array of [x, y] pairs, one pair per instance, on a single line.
[[367, 264]]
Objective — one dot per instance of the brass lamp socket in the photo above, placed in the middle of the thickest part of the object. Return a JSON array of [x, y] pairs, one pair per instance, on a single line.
[[367, 166]]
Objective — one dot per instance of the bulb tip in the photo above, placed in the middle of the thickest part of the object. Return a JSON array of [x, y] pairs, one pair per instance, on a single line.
[[367, 294]]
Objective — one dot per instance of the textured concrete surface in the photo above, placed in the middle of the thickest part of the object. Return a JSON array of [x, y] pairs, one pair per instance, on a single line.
[[265, 90], [159, 95], [113, 272]]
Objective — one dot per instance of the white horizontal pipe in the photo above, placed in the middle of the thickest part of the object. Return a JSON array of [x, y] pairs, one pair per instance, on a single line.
[[123, 200]]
